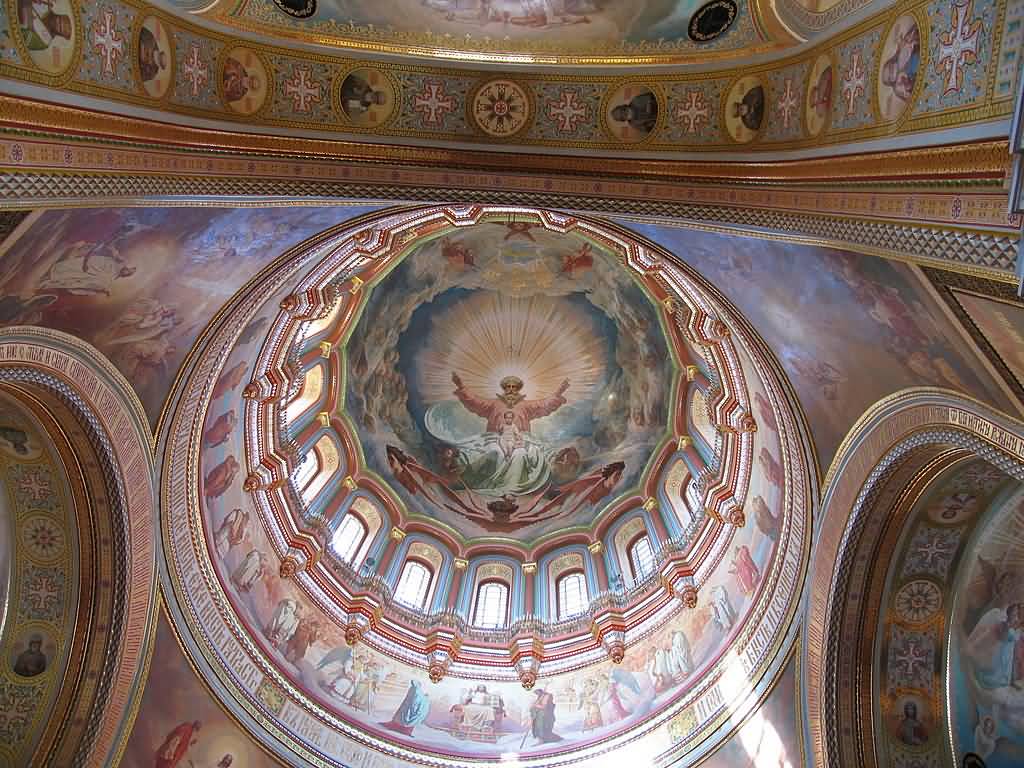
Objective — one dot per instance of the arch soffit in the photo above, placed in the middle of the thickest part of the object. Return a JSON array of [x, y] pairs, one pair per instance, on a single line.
[[81, 380], [905, 424]]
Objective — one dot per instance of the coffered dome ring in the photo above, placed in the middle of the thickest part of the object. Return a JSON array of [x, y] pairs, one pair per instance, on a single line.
[[750, 492]]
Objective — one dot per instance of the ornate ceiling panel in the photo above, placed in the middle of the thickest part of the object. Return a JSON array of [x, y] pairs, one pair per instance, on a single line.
[[352, 411], [936, 64], [524, 31]]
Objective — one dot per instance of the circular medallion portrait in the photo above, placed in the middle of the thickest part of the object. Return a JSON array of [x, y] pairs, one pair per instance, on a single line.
[[712, 20], [898, 67], [244, 81], [818, 102], [48, 29], [744, 109], [367, 97], [155, 57], [32, 653], [299, 9], [631, 114], [500, 108]]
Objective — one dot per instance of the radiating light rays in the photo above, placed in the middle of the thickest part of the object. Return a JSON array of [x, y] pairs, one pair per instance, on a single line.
[[543, 340], [1008, 536]]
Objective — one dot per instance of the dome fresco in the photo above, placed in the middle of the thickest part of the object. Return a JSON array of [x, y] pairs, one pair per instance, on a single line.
[[508, 380], [454, 399], [489, 29]]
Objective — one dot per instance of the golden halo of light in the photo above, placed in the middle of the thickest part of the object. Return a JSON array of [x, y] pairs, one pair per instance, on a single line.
[[543, 340]]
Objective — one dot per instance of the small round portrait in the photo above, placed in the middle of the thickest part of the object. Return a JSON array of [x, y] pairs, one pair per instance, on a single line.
[[48, 31], [744, 109], [244, 81], [632, 113], [299, 9], [32, 654], [155, 57], [818, 103], [367, 97], [898, 67], [909, 721]]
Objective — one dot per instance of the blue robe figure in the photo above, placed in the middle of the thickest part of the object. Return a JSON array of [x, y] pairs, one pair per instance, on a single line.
[[412, 711]]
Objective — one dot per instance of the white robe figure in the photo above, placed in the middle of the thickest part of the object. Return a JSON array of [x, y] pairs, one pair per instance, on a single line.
[[250, 570], [659, 669], [680, 658], [284, 622], [230, 531], [85, 270], [723, 612], [985, 737]]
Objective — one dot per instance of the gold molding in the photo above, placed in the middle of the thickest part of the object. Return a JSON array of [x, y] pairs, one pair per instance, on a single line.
[[981, 161]]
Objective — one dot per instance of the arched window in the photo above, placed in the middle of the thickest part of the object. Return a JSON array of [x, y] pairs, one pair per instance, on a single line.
[[308, 395], [641, 557], [571, 594], [349, 537], [413, 585], [491, 605], [307, 468], [317, 467]]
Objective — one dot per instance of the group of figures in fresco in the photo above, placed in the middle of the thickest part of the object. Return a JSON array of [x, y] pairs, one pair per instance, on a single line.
[[988, 672], [105, 275], [465, 397], [513, 408], [566, 21]]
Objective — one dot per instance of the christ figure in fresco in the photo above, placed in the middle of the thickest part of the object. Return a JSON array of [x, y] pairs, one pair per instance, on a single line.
[[506, 459]]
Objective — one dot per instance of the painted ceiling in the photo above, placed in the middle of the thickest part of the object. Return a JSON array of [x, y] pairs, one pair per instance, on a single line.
[[420, 316], [932, 65], [563, 31], [866, 327]]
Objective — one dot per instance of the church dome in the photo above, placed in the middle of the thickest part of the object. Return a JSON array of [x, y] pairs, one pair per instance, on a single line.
[[492, 459]]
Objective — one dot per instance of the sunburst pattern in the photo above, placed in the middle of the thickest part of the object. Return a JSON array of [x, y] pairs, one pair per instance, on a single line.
[[543, 340]]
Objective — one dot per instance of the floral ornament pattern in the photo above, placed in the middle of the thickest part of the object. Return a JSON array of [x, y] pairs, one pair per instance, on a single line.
[[501, 108], [918, 601], [911, 659], [983, 477], [931, 551], [17, 706], [43, 539], [34, 486], [42, 598], [904, 760]]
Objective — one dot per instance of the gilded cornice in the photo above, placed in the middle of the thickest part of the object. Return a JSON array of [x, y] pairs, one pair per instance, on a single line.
[[985, 160], [682, 113]]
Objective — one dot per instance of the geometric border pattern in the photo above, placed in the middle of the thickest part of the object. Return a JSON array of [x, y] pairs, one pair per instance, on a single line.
[[976, 252]]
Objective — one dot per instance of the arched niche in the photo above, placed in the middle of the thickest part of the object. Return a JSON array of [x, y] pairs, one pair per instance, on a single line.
[[892, 468], [80, 487]]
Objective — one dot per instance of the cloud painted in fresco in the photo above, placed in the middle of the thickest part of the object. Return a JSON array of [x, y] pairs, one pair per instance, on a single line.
[[847, 329]]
